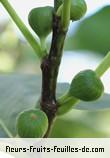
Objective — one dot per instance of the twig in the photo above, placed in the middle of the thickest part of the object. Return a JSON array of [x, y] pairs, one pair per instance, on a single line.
[[50, 68]]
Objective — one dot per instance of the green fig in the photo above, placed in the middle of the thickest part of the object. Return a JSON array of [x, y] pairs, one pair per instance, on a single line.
[[32, 124], [86, 86], [78, 9], [40, 20]]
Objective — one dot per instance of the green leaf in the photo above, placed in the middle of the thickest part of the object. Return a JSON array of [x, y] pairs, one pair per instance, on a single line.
[[93, 33], [82, 124], [17, 93], [73, 129], [102, 103]]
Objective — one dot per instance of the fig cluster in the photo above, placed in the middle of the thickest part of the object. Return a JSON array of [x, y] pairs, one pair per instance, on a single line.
[[41, 18]]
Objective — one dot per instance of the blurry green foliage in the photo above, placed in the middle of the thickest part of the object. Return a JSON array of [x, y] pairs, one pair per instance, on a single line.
[[82, 124], [20, 92], [8, 38], [93, 33], [17, 93], [15, 54]]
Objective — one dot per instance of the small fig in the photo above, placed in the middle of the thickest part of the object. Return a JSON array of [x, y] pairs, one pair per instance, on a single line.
[[78, 9], [40, 19], [86, 86], [32, 124]]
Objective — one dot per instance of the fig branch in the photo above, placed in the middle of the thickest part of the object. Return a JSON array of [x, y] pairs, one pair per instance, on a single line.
[[66, 14], [50, 68]]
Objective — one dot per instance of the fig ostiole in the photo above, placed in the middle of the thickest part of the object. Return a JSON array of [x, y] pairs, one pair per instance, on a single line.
[[32, 124], [40, 20]]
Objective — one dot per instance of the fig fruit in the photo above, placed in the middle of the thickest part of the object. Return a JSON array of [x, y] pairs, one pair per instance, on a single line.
[[32, 124], [78, 9], [86, 86], [40, 20]]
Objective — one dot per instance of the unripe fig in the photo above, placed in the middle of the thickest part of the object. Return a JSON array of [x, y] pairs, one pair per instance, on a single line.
[[32, 124], [86, 86], [78, 9], [40, 19]]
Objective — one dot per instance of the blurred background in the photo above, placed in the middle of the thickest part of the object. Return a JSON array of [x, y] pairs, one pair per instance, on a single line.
[[87, 42]]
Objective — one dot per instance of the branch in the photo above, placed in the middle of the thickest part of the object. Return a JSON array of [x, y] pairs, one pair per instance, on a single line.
[[103, 66], [50, 69]]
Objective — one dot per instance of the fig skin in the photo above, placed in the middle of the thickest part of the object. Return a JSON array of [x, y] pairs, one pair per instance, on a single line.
[[86, 86], [40, 20], [32, 124], [78, 9]]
